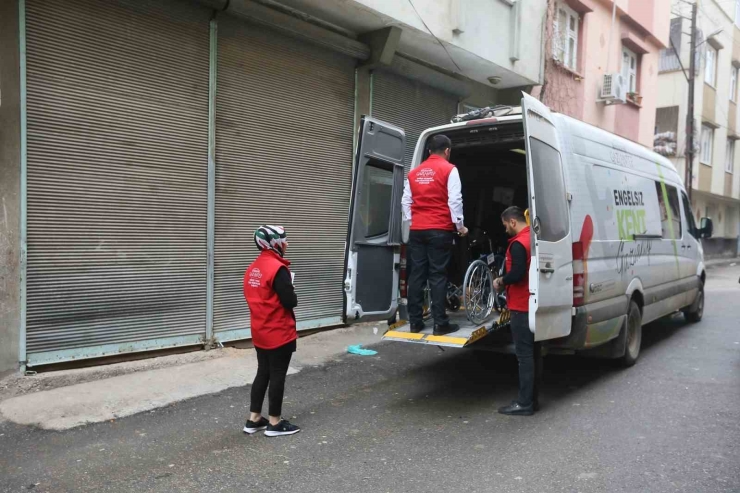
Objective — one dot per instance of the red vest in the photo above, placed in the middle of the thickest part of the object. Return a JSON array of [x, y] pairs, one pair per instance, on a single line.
[[272, 324], [428, 183], [517, 295]]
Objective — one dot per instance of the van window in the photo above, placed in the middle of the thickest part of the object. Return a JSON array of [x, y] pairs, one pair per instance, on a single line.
[[376, 199], [689, 216], [670, 213], [549, 189]]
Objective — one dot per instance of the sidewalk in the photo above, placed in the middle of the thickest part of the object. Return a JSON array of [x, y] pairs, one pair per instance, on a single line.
[[69, 398], [721, 262]]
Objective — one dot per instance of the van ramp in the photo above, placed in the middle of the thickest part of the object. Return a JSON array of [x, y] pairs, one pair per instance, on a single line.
[[467, 335]]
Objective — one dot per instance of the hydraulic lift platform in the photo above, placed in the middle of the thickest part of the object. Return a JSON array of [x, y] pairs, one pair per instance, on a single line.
[[468, 334]]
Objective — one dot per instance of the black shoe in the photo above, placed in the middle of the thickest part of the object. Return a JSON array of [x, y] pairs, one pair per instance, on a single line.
[[416, 328], [251, 427], [516, 409], [281, 429], [440, 330]]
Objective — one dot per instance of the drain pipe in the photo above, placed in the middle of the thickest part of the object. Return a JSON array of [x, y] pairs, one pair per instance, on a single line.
[[611, 34]]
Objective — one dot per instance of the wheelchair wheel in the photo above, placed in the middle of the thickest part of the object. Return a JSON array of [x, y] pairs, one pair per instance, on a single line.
[[478, 292], [427, 303]]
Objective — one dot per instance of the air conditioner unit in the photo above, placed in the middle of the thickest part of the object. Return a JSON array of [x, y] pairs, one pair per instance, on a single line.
[[613, 89]]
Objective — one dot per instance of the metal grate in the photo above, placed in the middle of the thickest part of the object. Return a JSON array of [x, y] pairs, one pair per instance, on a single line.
[[410, 105], [277, 166], [117, 155]]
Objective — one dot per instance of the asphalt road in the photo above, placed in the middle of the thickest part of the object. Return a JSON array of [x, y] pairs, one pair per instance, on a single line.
[[415, 419]]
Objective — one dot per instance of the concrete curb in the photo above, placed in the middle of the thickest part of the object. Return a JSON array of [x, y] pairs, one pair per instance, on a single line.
[[107, 398], [721, 262]]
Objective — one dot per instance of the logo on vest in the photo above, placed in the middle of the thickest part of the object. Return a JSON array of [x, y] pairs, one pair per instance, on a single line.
[[255, 278], [425, 176]]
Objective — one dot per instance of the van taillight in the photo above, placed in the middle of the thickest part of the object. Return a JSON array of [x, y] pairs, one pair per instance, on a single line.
[[402, 273], [579, 279]]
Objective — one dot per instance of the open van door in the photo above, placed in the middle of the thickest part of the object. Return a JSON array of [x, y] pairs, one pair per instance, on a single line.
[[551, 269], [374, 233]]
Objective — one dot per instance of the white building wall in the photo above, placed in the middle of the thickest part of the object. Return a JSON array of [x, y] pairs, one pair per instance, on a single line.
[[486, 27]]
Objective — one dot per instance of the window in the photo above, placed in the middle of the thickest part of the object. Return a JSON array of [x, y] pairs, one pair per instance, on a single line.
[[733, 83], [689, 216], [707, 141], [710, 67], [565, 36], [629, 69], [730, 156], [549, 189], [376, 200], [670, 213]]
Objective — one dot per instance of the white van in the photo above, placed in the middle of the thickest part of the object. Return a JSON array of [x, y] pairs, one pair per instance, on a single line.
[[614, 243]]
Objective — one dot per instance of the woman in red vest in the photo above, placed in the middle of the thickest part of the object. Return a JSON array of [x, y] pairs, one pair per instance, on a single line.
[[268, 289]]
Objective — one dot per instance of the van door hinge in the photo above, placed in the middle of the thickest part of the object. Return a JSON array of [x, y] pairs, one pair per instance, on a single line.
[[569, 196]]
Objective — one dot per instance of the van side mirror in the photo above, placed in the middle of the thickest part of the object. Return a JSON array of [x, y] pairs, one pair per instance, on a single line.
[[707, 228]]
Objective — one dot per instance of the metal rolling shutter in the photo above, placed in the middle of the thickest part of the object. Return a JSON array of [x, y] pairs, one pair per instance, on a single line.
[[411, 105], [117, 176], [283, 156]]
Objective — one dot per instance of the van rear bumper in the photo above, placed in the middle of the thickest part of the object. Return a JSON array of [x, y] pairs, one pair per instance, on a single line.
[[594, 324]]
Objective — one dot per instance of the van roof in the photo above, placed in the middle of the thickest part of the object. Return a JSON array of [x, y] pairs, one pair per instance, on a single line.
[[595, 134], [584, 131]]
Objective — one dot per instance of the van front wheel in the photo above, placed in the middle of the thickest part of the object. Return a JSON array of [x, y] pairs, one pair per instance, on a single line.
[[634, 335]]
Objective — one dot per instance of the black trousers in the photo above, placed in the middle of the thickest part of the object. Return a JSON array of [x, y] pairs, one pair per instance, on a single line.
[[529, 355], [272, 367], [430, 252]]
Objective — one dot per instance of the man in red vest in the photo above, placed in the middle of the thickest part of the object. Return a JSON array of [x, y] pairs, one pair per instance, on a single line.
[[432, 202], [516, 283]]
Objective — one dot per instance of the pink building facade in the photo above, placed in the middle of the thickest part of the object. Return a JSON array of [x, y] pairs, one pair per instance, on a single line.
[[583, 44]]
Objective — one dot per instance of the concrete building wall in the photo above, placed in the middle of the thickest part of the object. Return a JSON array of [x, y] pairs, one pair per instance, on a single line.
[[631, 121], [716, 193], [10, 179], [481, 27], [640, 26], [479, 39]]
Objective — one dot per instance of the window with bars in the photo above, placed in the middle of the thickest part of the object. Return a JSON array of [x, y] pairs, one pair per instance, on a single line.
[[565, 36], [710, 66], [629, 69], [733, 83], [707, 141], [730, 156]]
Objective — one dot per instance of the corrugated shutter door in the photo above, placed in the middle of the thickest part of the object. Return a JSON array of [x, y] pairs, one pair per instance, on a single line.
[[410, 105], [283, 156], [117, 176]]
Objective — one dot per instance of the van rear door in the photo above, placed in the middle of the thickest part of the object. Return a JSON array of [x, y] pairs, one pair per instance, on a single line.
[[374, 232], [551, 270]]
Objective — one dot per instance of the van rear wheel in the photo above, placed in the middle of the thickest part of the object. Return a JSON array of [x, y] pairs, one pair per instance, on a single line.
[[696, 311], [634, 335]]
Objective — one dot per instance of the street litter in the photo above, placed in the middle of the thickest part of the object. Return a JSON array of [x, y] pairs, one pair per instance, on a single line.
[[357, 349]]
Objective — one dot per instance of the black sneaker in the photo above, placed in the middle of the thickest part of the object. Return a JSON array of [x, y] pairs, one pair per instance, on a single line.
[[516, 409], [281, 429], [251, 427], [440, 330], [416, 328]]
